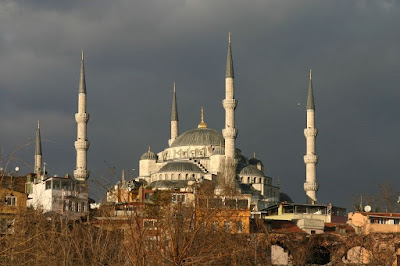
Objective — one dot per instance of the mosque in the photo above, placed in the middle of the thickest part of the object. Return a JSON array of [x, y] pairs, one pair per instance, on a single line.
[[203, 154]]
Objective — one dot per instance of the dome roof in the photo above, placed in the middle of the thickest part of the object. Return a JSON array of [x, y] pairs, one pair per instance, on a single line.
[[149, 155], [180, 167], [169, 184], [199, 137], [285, 197], [254, 161], [249, 170], [219, 150]]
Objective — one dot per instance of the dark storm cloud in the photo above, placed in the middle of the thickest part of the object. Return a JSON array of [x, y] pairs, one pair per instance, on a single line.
[[136, 49]]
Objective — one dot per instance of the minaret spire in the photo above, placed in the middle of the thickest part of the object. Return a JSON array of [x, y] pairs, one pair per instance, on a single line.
[[38, 151], [174, 119], [229, 61], [81, 144], [82, 82], [230, 131], [310, 99], [311, 159]]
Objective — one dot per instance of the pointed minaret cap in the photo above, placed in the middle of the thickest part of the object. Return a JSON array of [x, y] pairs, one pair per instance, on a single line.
[[82, 82], [38, 142], [174, 113], [202, 123], [229, 62], [310, 99]]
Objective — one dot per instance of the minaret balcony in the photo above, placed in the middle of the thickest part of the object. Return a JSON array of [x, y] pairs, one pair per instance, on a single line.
[[310, 132], [82, 145], [229, 133], [310, 158], [81, 117], [311, 186], [229, 104], [81, 174]]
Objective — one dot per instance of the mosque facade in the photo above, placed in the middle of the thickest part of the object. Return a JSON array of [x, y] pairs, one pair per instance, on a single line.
[[203, 154]]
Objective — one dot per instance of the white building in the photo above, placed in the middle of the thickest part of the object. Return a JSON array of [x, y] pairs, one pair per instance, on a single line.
[[62, 195]]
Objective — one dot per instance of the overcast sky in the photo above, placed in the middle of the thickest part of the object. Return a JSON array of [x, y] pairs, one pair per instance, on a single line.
[[134, 50]]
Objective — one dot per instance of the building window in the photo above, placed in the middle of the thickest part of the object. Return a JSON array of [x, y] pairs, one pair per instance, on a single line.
[[178, 198], [227, 226], [260, 180], [239, 227], [48, 184], [179, 176], [214, 226], [10, 201], [248, 179]]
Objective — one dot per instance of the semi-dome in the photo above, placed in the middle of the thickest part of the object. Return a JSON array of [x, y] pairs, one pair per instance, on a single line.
[[184, 167], [199, 137], [249, 170], [149, 155]]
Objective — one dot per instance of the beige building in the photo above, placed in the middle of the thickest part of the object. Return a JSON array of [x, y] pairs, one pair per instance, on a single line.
[[374, 222]]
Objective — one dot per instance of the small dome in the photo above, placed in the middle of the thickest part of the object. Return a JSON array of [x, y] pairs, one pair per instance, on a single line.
[[199, 137], [285, 197], [149, 155], [219, 150], [180, 167], [254, 160], [250, 170]]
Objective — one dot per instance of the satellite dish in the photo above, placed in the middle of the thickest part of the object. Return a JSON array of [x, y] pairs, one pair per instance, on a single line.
[[367, 208]]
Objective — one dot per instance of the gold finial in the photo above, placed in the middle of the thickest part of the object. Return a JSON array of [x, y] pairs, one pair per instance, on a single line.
[[174, 86], [149, 148], [229, 37], [254, 155], [82, 54], [38, 124], [202, 123], [123, 176], [310, 73]]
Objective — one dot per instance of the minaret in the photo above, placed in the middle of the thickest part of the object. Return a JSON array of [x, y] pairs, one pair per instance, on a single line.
[[81, 144], [38, 152], [174, 119], [229, 103], [310, 159]]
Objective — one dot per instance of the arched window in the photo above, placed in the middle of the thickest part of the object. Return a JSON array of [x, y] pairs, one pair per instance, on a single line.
[[260, 180], [166, 176], [241, 179], [248, 179], [179, 176], [254, 180], [172, 176]]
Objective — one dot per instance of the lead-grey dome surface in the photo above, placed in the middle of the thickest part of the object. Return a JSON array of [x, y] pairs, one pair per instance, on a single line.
[[149, 155], [249, 170], [180, 167], [199, 137], [169, 184]]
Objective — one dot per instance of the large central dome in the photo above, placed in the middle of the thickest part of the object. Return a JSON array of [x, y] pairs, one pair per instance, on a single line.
[[199, 137]]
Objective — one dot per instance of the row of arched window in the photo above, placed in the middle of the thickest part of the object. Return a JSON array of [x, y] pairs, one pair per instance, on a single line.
[[184, 176]]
